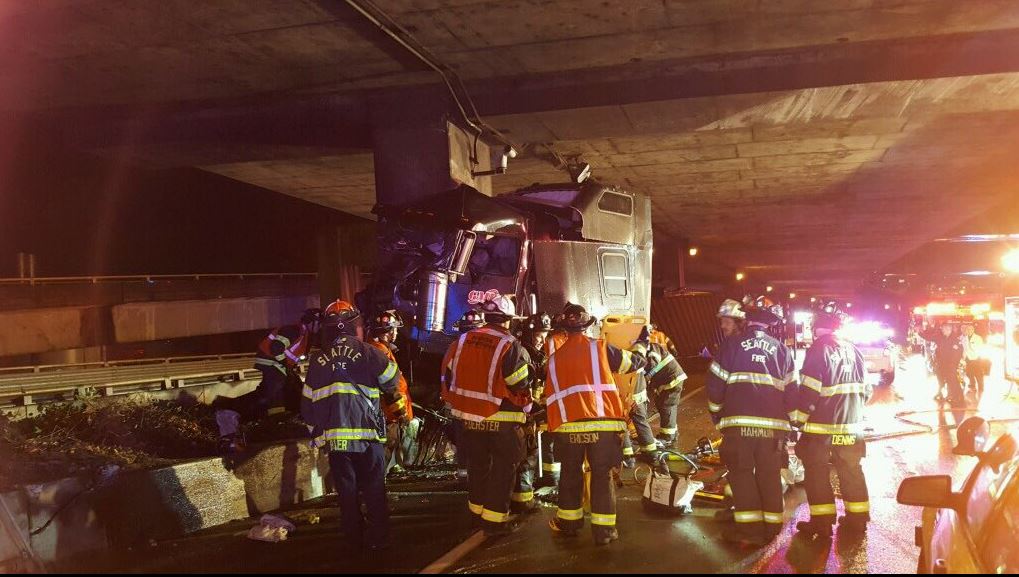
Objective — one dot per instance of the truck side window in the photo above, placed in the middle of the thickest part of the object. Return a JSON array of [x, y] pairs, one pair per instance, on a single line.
[[615, 274]]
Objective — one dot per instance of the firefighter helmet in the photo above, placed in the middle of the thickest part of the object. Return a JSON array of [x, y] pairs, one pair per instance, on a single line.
[[311, 316], [732, 309], [538, 323], [830, 317], [762, 316], [341, 314], [472, 319], [386, 321], [576, 318], [499, 309]]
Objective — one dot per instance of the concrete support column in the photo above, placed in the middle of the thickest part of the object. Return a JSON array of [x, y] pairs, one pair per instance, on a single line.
[[343, 252]]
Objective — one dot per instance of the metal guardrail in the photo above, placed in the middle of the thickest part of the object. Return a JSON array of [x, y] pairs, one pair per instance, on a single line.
[[148, 278], [25, 391], [5, 371]]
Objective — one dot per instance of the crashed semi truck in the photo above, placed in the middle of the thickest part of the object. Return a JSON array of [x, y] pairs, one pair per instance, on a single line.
[[545, 246]]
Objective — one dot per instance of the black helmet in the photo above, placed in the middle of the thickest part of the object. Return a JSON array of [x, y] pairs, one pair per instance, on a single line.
[[762, 316], [311, 316], [472, 319], [537, 323], [386, 321], [341, 315], [576, 318]]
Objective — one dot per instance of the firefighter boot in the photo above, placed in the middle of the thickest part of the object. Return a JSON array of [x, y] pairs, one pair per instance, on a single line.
[[604, 535], [561, 529], [814, 529], [852, 526]]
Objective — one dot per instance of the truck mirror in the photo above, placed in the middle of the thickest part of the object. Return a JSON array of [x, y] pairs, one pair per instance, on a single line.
[[1002, 452], [462, 254], [926, 491], [971, 437]]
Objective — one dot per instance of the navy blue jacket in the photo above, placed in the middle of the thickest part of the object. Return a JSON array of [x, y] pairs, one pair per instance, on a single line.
[[752, 382], [832, 388]]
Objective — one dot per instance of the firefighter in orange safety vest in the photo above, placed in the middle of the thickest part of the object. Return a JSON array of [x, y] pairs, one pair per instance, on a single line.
[[487, 386], [400, 415], [277, 358], [586, 414]]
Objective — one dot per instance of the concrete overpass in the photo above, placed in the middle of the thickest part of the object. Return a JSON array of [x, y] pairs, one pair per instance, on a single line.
[[808, 145]]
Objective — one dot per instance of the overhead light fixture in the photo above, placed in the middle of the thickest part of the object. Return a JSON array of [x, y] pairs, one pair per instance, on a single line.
[[813, 299], [792, 295], [579, 172], [849, 305], [693, 251], [769, 288], [1011, 260], [888, 307], [740, 276]]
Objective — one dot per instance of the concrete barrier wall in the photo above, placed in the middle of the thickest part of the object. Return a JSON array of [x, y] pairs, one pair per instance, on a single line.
[[34, 331], [133, 508], [135, 322]]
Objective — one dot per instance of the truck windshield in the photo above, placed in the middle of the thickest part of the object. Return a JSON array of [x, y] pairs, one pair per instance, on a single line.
[[495, 255]]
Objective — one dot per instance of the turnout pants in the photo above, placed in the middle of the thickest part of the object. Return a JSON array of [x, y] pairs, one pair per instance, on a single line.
[[363, 473], [667, 403], [522, 496], [268, 398], [550, 466], [975, 373], [494, 451], [818, 453], [755, 458], [603, 452]]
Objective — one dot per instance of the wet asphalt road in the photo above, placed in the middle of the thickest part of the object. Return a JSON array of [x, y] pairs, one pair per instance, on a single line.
[[425, 526], [692, 544]]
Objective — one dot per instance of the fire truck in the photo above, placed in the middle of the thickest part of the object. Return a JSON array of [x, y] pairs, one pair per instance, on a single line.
[[546, 245]]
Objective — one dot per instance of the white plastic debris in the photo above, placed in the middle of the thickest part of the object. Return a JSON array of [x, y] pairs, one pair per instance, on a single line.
[[271, 528], [276, 522]]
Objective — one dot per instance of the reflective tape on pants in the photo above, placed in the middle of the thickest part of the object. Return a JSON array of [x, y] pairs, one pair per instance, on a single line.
[[570, 514], [774, 518], [748, 516], [522, 497], [821, 510], [857, 507], [494, 516], [603, 519], [476, 509]]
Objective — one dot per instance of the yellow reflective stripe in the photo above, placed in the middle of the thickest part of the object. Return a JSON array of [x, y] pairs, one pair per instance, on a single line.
[[316, 395], [748, 516], [759, 422], [640, 397], [551, 467], [668, 430], [399, 404], [827, 429], [790, 378], [673, 383], [508, 417], [348, 434], [591, 427], [280, 338], [625, 362], [271, 363], [756, 379], [661, 365], [522, 497], [570, 514], [857, 506], [650, 447], [810, 383], [719, 371], [476, 509], [821, 510], [494, 516], [627, 451], [843, 389], [798, 416], [517, 376], [603, 519], [773, 518], [389, 373], [714, 408]]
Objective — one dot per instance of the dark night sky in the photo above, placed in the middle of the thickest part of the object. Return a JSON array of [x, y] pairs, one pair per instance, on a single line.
[[89, 217]]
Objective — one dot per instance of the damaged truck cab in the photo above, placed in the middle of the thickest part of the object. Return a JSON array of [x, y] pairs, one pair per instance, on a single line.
[[544, 245]]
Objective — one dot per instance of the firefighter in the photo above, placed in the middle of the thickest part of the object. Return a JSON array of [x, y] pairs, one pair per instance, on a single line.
[[731, 318], [277, 358], [488, 388], [586, 414], [533, 334], [471, 319], [751, 390], [665, 379], [647, 445], [830, 414], [399, 416], [348, 381]]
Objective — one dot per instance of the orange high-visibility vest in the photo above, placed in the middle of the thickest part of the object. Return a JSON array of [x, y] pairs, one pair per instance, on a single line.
[[477, 386], [580, 392], [554, 340], [293, 350], [392, 411]]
